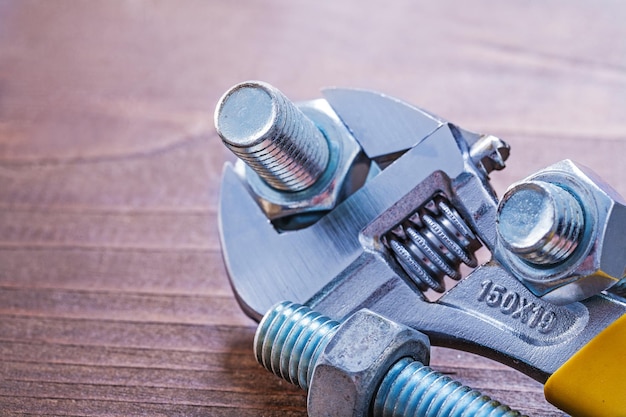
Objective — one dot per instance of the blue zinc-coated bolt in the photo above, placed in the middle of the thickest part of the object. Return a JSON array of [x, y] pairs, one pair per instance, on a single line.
[[291, 338]]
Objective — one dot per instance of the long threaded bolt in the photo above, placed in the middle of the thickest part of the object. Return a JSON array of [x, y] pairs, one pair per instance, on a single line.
[[540, 222], [291, 337], [411, 389], [272, 136]]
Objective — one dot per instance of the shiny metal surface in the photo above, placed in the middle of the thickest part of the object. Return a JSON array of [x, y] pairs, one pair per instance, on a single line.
[[341, 263], [489, 312], [384, 126], [352, 365], [289, 340], [433, 243], [251, 240], [365, 365], [413, 389], [346, 171], [540, 222], [599, 259], [619, 289], [263, 128], [489, 153]]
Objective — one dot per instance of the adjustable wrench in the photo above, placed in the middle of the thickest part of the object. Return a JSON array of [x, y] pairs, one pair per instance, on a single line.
[[426, 188]]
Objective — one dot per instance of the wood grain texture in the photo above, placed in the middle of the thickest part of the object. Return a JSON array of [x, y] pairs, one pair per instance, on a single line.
[[113, 296]]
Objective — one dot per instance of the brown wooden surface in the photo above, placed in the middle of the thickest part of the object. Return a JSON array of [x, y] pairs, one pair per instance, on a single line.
[[113, 295]]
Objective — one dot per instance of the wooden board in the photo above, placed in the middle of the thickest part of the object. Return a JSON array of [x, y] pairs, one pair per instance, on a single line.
[[113, 296]]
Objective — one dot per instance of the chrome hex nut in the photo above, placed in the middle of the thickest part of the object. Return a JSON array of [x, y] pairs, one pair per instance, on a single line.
[[355, 361], [599, 260], [346, 171]]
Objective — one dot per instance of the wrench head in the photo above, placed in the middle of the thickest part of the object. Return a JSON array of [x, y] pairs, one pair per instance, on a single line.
[[406, 147]]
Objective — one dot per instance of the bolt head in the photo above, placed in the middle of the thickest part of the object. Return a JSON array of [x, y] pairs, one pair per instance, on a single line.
[[349, 371], [599, 260]]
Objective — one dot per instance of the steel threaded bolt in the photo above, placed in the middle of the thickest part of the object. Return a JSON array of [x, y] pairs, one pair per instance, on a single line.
[[272, 136], [291, 337], [411, 389], [289, 340], [540, 222]]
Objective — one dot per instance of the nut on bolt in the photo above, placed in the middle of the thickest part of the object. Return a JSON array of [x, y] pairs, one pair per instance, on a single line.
[[299, 159], [366, 366], [562, 232], [353, 364]]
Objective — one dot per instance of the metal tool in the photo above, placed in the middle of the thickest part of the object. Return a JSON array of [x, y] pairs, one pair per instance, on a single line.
[[367, 365], [410, 204]]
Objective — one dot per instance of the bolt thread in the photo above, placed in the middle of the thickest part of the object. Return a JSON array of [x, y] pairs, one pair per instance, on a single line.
[[551, 222], [433, 243], [411, 389], [567, 230], [289, 340], [283, 146], [291, 337]]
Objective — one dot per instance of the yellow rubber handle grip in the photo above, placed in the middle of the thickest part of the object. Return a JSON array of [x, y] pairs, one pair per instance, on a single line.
[[592, 383]]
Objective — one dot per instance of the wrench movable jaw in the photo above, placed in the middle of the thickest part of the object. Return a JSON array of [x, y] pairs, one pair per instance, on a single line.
[[385, 127]]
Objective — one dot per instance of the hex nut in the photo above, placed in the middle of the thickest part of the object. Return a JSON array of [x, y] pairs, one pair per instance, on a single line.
[[349, 371], [346, 170], [599, 261]]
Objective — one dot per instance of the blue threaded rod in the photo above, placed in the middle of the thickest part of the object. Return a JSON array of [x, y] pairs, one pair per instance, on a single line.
[[411, 389], [289, 340], [291, 337]]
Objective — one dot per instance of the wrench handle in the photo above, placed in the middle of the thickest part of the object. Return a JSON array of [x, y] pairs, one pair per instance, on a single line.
[[592, 383]]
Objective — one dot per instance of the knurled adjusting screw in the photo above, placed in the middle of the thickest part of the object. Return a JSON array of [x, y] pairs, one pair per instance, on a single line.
[[301, 345], [272, 136]]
